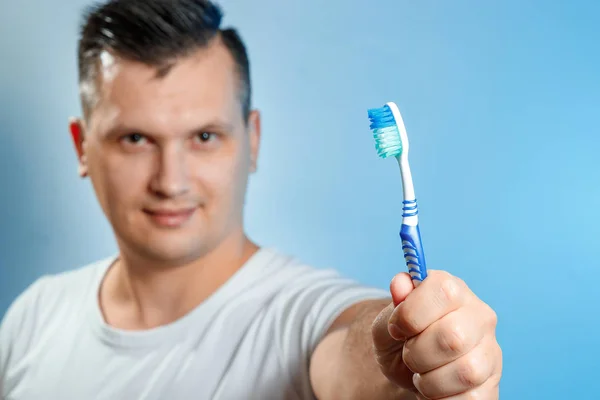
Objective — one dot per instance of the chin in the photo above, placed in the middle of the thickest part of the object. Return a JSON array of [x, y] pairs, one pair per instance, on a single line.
[[179, 252], [175, 247]]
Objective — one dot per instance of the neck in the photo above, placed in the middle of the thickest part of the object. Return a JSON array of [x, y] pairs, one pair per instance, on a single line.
[[138, 294]]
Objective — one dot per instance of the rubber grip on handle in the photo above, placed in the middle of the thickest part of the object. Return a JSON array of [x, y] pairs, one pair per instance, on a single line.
[[413, 252]]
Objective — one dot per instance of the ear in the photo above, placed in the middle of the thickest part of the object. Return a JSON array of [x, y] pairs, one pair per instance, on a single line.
[[254, 133], [77, 130]]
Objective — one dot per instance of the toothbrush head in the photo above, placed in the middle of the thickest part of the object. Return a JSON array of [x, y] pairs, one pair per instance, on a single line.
[[388, 131]]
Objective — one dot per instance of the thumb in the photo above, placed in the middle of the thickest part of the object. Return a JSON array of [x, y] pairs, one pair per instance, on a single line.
[[388, 351], [400, 287]]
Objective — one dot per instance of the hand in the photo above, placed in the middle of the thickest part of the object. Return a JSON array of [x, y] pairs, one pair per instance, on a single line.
[[438, 340]]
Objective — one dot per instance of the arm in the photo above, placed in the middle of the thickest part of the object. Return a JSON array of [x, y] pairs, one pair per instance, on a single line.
[[438, 339], [344, 365]]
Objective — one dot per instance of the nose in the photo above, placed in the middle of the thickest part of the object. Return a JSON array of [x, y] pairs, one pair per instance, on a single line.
[[171, 178]]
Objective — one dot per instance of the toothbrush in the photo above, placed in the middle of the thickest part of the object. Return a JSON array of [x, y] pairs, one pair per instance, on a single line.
[[391, 140]]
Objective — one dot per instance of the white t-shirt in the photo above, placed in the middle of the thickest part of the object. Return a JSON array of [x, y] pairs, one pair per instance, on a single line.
[[252, 339]]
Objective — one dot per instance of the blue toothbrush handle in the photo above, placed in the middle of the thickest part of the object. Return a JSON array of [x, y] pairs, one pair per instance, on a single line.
[[413, 252]]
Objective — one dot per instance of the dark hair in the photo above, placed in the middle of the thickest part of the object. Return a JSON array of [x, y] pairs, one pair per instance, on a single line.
[[156, 33]]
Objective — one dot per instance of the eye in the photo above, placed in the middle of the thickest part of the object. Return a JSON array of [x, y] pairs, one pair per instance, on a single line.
[[134, 139], [205, 137], [206, 140]]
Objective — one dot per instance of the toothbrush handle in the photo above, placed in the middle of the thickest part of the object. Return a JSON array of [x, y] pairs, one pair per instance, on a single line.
[[413, 252]]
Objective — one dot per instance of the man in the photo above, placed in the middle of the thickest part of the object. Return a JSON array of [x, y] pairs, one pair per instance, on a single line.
[[190, 307]]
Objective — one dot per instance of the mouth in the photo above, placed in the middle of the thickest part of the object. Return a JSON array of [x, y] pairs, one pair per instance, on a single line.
[[170, 218]]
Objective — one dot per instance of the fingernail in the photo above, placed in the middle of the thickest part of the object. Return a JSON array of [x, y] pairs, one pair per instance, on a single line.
[[417, 381], [395, 332]]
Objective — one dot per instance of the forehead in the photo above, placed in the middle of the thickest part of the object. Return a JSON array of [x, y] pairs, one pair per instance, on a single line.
[[197, 88]]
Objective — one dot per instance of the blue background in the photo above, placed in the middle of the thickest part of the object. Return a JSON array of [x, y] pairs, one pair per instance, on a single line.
[[501, 100]]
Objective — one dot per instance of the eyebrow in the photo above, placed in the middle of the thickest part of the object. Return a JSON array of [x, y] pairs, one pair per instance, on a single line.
[[124, 128]]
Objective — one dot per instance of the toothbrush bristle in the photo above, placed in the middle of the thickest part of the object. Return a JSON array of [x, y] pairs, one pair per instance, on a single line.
[[388, 142]]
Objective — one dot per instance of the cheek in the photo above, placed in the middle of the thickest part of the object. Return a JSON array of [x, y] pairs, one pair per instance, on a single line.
[[119, 180], [126, 184], [223, 179]]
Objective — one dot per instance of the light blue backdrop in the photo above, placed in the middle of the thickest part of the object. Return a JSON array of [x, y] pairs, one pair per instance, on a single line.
[[501, 100]]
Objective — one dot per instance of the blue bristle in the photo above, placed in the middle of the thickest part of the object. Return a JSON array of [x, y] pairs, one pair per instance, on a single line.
[[385, 132]]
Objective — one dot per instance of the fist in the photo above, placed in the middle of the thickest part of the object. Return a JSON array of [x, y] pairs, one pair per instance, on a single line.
[[438, 340]]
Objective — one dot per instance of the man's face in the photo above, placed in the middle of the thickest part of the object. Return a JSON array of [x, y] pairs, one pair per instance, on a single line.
[[169, 157]]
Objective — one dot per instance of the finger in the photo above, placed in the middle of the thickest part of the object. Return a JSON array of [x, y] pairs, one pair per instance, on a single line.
[[490, 390], [388, 351], [382, 340], [446, 340], [439, 294], [397, 372], [400, 287], [467, 373]]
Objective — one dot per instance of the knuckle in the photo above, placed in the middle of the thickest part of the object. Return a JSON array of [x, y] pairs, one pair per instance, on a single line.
[[460, 282], [473, 395], [440, 274], [491, 393], [499, 353], [470, 373], [450, 290], [438, 277], [453, 340], [492, 316]]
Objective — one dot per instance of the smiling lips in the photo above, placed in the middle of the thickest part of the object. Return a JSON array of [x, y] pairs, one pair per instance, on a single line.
[[169, 218]]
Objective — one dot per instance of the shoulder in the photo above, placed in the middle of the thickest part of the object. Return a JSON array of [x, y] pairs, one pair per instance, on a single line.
[[307, 300], [314, 281], [48, 289], [40, 304], [310, 298], [293, 273]]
